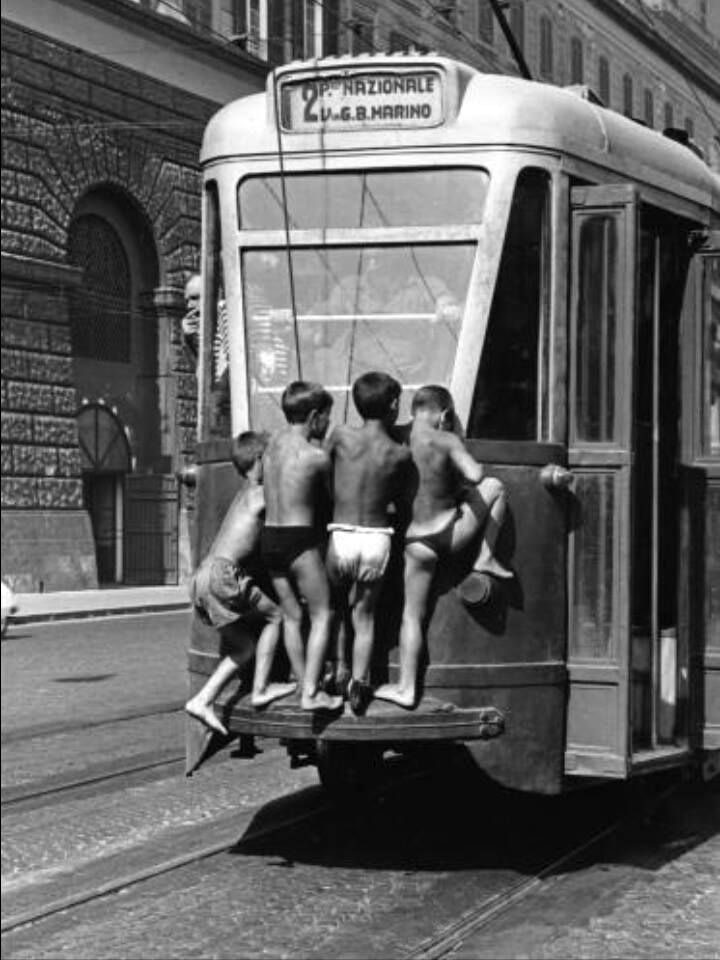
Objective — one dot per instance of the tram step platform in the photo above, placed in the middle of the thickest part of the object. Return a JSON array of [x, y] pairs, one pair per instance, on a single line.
[[432, 719]]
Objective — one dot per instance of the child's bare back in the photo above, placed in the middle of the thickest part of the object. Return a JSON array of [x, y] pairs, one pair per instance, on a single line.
[[240, 530], [295, 473], [368, 466]]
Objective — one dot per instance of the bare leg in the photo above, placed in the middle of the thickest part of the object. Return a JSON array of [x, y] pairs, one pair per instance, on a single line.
[[262, 691], [292, 625], [492, 492], [420, 565], [312, 582], [338, 648], [363, 617], [200, 706]]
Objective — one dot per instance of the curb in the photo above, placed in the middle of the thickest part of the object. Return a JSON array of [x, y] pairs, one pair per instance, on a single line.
[[47, 617]]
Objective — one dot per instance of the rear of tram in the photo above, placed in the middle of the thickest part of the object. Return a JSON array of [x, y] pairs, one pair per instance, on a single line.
[[353, 220]]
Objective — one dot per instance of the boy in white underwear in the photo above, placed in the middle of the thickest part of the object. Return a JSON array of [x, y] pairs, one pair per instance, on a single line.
[[369, 473], [224, 591], [454, 505]]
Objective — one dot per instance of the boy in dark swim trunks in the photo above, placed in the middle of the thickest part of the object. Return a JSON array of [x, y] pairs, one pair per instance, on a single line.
[[297, 477], [369, 472], [223, 591], [446, 518]]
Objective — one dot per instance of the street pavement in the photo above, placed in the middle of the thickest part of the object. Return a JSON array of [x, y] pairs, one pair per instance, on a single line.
[[91, 670]]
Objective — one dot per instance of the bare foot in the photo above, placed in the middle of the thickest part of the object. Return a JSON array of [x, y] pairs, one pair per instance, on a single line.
[[273, 691], [205, 714], [395, 694], [320, 701]]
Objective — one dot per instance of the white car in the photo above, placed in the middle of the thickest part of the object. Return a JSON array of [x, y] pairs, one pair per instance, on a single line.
[[9, 606]]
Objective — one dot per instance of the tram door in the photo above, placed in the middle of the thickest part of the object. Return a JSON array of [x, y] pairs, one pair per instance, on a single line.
[[628, 653], [700, 472]]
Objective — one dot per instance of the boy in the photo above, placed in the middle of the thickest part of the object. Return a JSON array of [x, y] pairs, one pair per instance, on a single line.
[[296, 483], [223, 591], [446, 517], [369, 470]]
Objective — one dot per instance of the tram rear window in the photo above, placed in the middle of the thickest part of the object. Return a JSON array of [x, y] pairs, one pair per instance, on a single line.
[[397, 198], [394, 308]]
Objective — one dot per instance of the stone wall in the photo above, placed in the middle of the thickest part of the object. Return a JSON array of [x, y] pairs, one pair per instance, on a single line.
[[73, 123]]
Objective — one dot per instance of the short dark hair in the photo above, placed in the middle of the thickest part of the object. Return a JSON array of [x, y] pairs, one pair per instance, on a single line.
[[301, 398], [432, 397], [247, 447], [373, 394]]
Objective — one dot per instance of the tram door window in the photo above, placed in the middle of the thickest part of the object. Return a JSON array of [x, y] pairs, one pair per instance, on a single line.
[[511, 400], [657, 651], [214, 345], [710, 402]]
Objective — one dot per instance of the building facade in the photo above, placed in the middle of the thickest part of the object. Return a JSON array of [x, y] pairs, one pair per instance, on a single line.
[[104, 104]]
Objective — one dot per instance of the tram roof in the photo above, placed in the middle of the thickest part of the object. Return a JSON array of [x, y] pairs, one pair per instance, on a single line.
[[490, 110]]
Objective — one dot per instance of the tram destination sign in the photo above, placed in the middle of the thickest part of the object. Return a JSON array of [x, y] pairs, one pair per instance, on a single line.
[[362, 101]]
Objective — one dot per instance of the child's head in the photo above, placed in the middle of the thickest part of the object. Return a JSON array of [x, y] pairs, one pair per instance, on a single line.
[[377, 396], [307, 403], [435, 404], [247, 452]]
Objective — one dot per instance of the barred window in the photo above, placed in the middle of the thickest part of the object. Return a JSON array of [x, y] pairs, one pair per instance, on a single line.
[[100, 307]]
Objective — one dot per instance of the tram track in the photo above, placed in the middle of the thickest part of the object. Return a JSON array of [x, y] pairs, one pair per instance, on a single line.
[[451, 937], [224, 836], [51, 729], [39, 793]]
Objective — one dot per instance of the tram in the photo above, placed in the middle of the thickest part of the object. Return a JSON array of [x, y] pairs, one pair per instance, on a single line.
[[557, 267]]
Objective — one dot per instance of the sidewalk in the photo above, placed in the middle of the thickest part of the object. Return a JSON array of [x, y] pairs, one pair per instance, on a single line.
[[63, 605]]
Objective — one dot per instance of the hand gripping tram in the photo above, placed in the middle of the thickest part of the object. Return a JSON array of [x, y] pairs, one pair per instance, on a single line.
[[557, 267]]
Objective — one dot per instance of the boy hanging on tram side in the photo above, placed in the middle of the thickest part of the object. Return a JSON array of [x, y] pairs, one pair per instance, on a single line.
[[297, 483], [370, 471], [453, 505], [223, 590]]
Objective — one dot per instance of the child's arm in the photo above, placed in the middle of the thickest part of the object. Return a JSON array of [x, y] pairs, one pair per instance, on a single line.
[[469, 468]]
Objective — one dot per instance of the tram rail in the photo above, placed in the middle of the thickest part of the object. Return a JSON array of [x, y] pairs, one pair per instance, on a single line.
[[222, 836], [51, 728], [24, 795]]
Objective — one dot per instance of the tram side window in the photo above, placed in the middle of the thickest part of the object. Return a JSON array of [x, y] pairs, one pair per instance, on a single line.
[[711, 359], [510, 400], [214, 360], [595, 412]]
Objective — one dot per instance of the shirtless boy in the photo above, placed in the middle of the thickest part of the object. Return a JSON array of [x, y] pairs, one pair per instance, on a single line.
[[223, 591], [368, 472], [297, 476], [446, 518]]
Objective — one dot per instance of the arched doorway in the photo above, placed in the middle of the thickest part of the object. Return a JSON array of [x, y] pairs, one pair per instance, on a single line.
[[106, 461]]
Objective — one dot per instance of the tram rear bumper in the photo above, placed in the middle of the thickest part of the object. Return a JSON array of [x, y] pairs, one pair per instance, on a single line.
[[383, 722]]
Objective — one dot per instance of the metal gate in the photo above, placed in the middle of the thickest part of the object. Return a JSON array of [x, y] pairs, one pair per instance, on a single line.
[[151, 529]]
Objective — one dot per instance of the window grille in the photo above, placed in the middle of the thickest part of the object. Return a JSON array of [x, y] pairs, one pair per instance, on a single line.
[[649, 108], [486, 23], [627, 95], [604, 80], [576, 60], [546, 48], [517, 23], [100, 309]]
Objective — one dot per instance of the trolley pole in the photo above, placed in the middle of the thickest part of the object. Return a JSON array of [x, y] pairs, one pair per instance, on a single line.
[[497, 8]]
